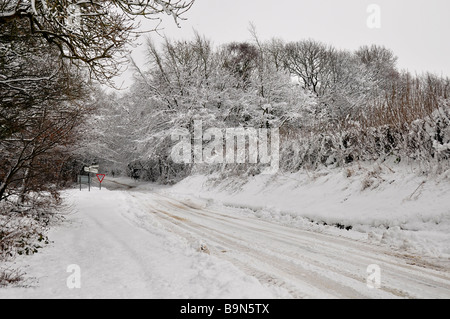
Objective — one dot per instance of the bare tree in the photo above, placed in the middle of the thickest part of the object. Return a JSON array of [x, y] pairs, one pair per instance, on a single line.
[[38, 110], [381, 63], [310, 61], [241, 59], [92, 33]]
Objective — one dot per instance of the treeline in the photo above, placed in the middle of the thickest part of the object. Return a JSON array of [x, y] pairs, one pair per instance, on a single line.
[[332, 106]]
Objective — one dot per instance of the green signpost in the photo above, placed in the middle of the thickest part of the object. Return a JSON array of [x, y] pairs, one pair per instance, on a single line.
[[84, 179]]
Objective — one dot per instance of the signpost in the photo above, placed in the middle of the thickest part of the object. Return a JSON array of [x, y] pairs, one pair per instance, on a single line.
[[86, 179], [100, 178], [91, 169]]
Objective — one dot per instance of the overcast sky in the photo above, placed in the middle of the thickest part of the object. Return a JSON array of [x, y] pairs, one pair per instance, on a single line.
[[418, 31]]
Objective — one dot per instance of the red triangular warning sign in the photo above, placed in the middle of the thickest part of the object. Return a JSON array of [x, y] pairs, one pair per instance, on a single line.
[[100, 177]]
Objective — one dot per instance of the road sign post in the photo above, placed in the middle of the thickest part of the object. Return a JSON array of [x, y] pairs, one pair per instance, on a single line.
[[91, 169], [100, 178], [88, 169], [84, 179]]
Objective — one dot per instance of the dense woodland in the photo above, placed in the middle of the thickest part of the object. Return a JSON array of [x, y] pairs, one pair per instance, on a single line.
[[332, 107]]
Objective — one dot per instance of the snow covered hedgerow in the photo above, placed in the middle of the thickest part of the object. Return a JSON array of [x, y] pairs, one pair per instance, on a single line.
[[426, 140], [23, 230]]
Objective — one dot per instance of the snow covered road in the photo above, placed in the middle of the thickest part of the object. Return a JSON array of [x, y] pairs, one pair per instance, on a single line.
[[132, 243], [304, 264]]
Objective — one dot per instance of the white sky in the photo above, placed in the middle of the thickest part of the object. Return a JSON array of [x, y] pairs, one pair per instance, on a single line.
[[418, 31]]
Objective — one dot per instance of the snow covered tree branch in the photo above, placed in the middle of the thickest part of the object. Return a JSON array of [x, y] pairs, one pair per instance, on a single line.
[[91, 33]]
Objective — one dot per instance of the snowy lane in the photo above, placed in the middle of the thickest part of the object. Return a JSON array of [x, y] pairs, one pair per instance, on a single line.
[[132, 242], [304, 264], [120, 254]]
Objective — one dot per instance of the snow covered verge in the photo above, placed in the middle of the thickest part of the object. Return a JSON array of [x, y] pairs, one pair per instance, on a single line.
[[386, 204]]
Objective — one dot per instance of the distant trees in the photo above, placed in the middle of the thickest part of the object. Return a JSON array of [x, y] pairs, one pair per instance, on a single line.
[[323, 69], [332, 106], [342, 80], [234, 85]]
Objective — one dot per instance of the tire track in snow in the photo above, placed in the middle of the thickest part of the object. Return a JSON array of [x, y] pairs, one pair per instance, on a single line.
[[364, 254], [294, 259], [321, 278]]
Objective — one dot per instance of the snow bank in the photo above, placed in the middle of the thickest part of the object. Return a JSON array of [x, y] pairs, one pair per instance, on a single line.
[[386, 204]]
